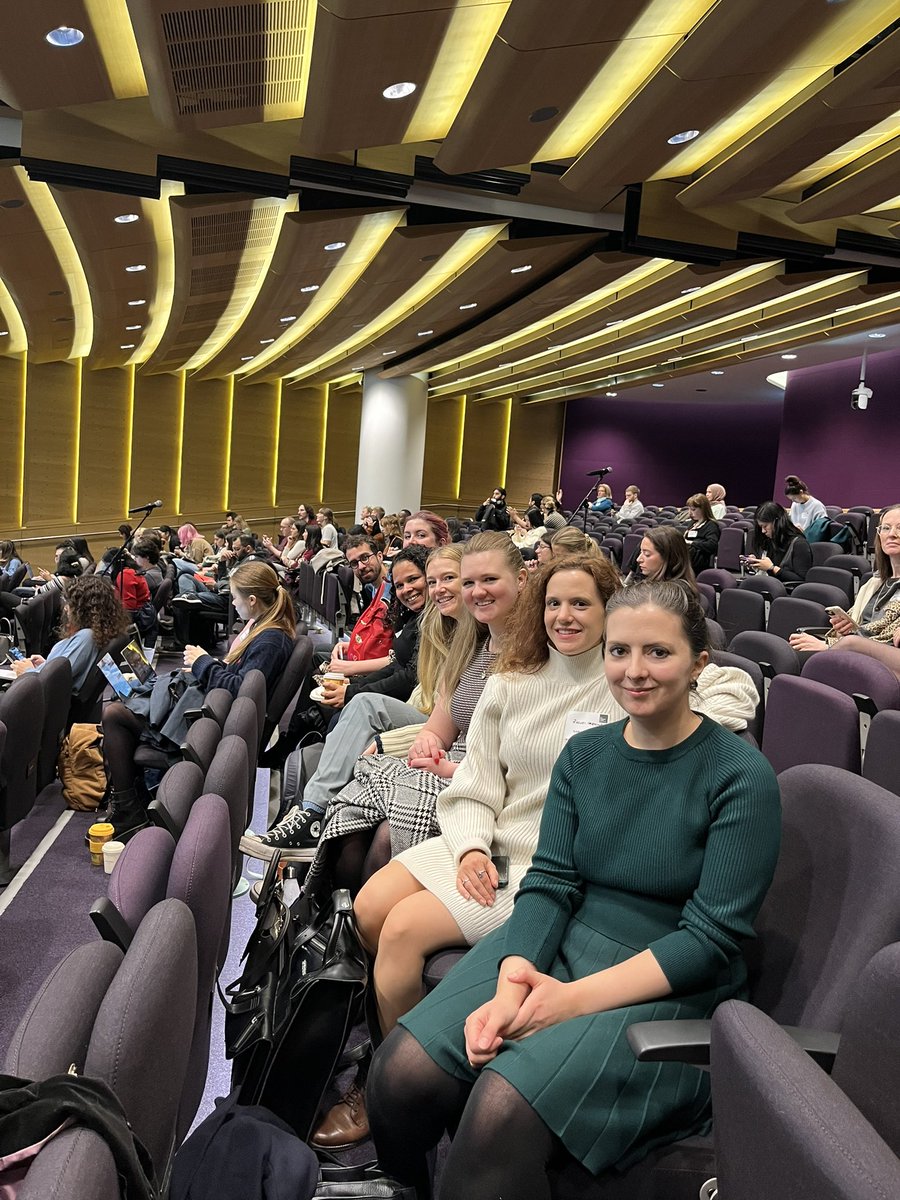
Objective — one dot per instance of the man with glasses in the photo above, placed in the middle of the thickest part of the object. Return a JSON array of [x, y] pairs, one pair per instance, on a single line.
[[369, 639]]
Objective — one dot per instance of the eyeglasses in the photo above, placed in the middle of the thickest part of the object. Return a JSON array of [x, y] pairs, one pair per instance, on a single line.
[[361, 561], [889, 529]]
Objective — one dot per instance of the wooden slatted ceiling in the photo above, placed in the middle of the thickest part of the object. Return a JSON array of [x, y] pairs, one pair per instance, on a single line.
[[212, 64], [300, 261], [31, 272], [34, 74], [491, 280], [839, 109], [740, 64], [656, 347], [363, 46], [106, 249], [866, 183], [535, 65]]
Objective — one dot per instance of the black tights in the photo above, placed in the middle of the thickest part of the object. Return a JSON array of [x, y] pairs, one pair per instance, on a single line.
[[121, 733], [500, 1148], [349, 853]]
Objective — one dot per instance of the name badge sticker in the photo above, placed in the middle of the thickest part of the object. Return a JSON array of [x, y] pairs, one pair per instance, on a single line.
[[578, 722]]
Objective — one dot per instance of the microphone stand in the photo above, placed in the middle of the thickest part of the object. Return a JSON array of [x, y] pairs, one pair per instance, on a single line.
[[116, 564], [583, 509]]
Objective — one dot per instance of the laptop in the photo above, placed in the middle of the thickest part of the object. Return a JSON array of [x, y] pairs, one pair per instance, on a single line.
[[114, 676], [136, 660]]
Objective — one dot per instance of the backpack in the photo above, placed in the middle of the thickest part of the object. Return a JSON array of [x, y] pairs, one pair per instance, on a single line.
[[818, 530], [81, 769]]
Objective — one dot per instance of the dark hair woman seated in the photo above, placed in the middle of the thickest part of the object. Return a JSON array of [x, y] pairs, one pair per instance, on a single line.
[[779, 547]]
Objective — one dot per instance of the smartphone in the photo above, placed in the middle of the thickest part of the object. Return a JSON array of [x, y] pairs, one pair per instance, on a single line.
[[837, 611], [501, 865], [15, 654]]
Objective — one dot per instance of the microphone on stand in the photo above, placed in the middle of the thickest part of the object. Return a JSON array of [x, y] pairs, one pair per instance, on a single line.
[[145, 507], [601, 471]]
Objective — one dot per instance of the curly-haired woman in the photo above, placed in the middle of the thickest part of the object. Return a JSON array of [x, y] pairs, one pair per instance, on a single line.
[[92, 616]]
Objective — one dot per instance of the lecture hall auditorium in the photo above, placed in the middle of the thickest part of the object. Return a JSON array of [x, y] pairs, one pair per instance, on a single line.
[[276, 274]]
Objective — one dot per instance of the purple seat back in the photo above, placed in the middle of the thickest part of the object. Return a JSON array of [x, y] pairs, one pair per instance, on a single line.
[[56, 681], [820, 923], [227, 777], [740, 610], [253, 686], [140, 877], [717, 578], [808, 722], [773, 654], [787, 615], [855, 675], [732, 540], [292, 678], [769, 586], [822, 593], [22, 712], [203, 737], [882, 762], [835, 578], [180, 787]]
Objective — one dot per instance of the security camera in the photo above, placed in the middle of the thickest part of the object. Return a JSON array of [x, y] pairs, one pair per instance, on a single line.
[[860, 397]]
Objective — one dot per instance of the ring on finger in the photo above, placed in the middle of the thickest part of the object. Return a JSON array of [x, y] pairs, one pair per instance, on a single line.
[[481, 874], [466, 881]]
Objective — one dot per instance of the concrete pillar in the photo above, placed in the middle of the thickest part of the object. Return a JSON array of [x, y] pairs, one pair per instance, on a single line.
[[392, 442]]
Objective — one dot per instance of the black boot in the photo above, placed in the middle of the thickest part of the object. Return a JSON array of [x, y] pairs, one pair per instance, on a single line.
[[127, 812]]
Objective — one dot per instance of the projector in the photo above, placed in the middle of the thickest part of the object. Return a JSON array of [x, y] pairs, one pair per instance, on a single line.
[[860, 397]]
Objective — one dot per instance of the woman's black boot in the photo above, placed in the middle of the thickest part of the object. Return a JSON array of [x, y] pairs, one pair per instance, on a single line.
[[127, 812]]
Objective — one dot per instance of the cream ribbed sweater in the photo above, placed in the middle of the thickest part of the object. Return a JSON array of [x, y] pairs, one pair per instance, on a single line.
[[495, 800]]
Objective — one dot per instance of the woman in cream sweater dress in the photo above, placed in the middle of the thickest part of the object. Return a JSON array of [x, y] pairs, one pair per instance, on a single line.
[[549, 684]]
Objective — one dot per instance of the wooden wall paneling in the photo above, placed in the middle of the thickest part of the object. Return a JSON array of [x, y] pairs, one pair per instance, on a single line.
[[254, 446], [51, 444], [301, 446], [484, 452], [156, 445], [103, 464], [12, 395], [443, 451], [342, 452], [535, 439], [206, 450]]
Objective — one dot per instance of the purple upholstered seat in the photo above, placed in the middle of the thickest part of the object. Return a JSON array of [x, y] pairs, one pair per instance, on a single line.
[[882, 761], [740, 611], [787, 615], [809, 722]]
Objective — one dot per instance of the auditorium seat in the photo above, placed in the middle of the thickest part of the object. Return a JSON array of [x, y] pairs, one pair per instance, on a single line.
[[727, 658], [740, 611], [882, 760], [815, 934], [870, 684], [125, 1019], [253, 687], [822, 593], [787, 615], [22, 712], [56, 682], [181, 785], [809, 722], [717, 579], [823, 552], [772, 654], [243, 720], [732, 541], [834, 578], [216, 704], [858, 566], [298, 668]]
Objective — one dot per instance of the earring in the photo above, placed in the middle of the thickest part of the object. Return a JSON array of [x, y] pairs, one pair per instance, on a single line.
[[694, 685]]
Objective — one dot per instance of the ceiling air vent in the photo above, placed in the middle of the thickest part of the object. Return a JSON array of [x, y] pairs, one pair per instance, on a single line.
[[234, 63]]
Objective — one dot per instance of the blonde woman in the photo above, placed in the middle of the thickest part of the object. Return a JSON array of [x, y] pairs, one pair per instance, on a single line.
[[570, 540]]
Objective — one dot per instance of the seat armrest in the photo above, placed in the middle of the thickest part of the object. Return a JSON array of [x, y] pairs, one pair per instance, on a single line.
[[688, 1042], [194, 714], [819, 631], [160, 816], [110, 923]]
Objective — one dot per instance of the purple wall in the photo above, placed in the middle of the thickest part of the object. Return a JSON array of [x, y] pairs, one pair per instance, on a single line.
[[671, 450], [845, 457]]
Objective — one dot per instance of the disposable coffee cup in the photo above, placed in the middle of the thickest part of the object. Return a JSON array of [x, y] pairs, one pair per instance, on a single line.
[[111, 852], [98, 835]]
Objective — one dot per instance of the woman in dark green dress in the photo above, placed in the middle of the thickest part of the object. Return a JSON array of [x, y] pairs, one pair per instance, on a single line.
[[658, 842]]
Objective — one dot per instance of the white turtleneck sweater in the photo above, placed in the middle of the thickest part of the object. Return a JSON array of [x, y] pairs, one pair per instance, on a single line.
[[496, 797]]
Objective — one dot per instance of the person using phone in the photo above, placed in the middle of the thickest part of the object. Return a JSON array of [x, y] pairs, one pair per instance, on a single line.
[[873, 620], [779, 547]]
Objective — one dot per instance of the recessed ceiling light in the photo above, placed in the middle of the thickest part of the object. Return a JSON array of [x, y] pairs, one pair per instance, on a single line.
[[335, 245], [789, 357], [57, 292], [424, 332], [686, 135], [429, 258], [507, 364], [127, 346], [135, 303], [687, 291], [610, 324], [4, 333], [397, 91], [64, 35], [136, 267], [544, 114], [247, 358], [385, 353], [266, 341], [286, 320], [131, 328], [612, 393], [846, 308], [520, 270], [358, 325], [877, 335], [126, 218], [717, 372], [463, 307], [357, 368], [14, 203], [311, 287], [657, 385]]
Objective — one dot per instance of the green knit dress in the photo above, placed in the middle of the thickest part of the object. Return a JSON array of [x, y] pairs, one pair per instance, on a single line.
[[670, 850]]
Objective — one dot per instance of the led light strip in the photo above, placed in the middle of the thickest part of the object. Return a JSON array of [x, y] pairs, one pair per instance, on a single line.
[[63, 248], [373, 231], [159, 215], [116, 44], [461, 255], [17, 342]]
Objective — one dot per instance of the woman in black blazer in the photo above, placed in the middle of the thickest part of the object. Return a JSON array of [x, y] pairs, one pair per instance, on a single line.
[[703, 536]]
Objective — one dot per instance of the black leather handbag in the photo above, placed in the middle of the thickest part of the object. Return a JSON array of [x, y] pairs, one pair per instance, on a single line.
[[289, 1015]]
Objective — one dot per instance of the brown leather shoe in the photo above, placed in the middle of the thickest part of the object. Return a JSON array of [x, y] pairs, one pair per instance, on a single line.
[[346, 1123]]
